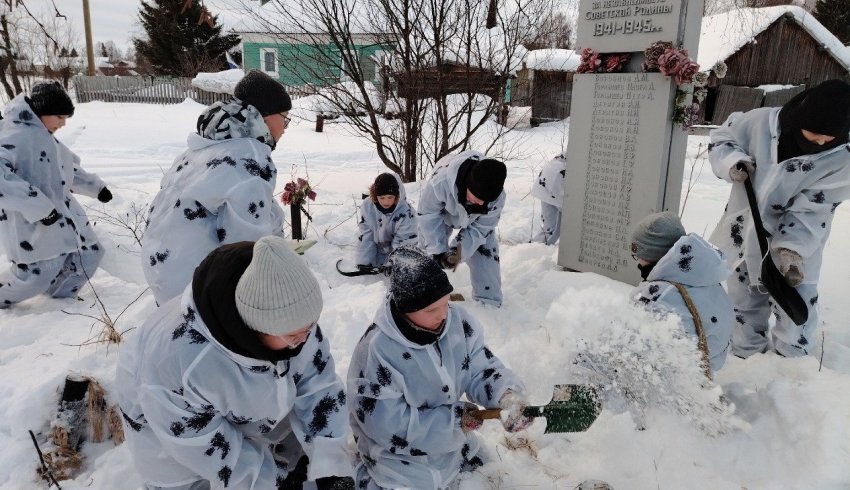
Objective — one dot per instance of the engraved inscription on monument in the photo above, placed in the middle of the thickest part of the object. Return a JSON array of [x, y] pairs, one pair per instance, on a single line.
[[624, 149], [608, 26]]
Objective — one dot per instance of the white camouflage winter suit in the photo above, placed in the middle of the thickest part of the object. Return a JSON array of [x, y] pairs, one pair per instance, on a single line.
[[381, 233], [405, 401], [194, 411], [37, 175], [219, 191], [440, 213], [700, 268], [549, 189], [797, 199]]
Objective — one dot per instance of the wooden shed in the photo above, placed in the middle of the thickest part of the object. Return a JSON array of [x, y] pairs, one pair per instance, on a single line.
[[771, 54], [450, 78], [546, 84]]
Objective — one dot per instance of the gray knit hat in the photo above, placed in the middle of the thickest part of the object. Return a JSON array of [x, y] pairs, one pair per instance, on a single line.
[[277, 293], [654, 235]]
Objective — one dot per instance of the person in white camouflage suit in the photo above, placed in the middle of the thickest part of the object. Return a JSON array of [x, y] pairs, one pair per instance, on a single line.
[[465, 192], [232, 384], [221, 189], [798, 159], [44, 231], [387, 222], [549, 190], [409, 379]]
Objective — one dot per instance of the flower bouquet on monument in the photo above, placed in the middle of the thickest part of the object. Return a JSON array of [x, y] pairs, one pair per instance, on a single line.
[[295, 195]]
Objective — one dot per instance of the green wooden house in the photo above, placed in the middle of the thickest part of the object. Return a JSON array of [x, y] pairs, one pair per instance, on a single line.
[[305, 59]]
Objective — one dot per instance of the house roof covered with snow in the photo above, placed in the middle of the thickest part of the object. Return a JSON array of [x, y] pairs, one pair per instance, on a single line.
[[552, 60], [722, 35]]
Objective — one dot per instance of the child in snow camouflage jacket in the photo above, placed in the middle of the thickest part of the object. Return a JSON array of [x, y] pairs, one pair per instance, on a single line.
[[234, 385], [406, 381], [549, 190], [387, 221], [43, 229], [667, 255], [221, 189], [466, 193], [798, 159]]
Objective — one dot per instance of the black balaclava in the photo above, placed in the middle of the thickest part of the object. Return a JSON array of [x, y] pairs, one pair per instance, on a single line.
[[824, 109], [646, 269]]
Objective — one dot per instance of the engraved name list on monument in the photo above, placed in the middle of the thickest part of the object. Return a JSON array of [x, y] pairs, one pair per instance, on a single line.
[[613, 139]]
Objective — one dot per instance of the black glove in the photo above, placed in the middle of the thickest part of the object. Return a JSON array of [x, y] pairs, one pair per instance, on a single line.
[[104, 195], [335, 483], [298, 475], [51, 218]]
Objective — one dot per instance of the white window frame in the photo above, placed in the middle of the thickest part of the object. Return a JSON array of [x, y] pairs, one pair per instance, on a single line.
[[263, 52]]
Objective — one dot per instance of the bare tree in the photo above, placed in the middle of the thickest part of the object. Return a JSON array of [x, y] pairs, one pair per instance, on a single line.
[[555, 31], [429, 64], [59, 64]]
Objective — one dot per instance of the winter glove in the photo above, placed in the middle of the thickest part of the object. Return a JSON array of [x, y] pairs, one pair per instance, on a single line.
[[469, 422], [512, 405], [335, 483], [738, 175], [104, 195], [51, 218], [453, 256], [298, 475], [448, 260], [791, 266], [440, 259]]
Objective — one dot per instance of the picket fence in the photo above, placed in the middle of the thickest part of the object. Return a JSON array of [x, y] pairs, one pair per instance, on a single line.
[[150, 90]]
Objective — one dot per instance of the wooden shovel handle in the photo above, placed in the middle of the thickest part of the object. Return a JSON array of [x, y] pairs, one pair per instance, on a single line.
[[486, 414]]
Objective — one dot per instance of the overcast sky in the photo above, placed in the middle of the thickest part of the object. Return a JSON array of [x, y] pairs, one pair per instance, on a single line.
[[112, 20]]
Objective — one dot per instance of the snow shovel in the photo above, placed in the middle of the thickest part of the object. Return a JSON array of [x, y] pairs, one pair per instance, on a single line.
[[573, 408], [365, 271], [785, 295]]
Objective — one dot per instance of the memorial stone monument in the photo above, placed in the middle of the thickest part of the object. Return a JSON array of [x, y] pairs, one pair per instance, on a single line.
[[625, 157]]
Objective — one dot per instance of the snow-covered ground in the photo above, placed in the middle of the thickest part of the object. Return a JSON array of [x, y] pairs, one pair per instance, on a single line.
[[790, 428]]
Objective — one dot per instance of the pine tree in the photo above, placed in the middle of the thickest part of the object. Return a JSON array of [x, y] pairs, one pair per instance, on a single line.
[[835, 16], [177, 44]]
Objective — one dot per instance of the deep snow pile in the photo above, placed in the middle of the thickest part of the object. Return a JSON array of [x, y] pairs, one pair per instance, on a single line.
[[791, 422]]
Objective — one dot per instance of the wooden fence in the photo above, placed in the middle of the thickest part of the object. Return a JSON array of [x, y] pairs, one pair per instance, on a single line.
[[150, 90]]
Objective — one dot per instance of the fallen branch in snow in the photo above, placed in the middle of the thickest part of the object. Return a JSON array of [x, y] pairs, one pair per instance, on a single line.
[[133, 221], [331, 228], [45, 470], [108, 334], [822, 348]]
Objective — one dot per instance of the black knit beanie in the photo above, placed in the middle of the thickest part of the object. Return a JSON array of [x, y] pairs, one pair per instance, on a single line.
[[826, 109], [416, 281], [50, 99], [386, 184], [263, 92], [486, 180]]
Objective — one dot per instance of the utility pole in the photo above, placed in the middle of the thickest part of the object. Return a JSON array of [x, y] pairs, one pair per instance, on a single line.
[[89, 44]]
